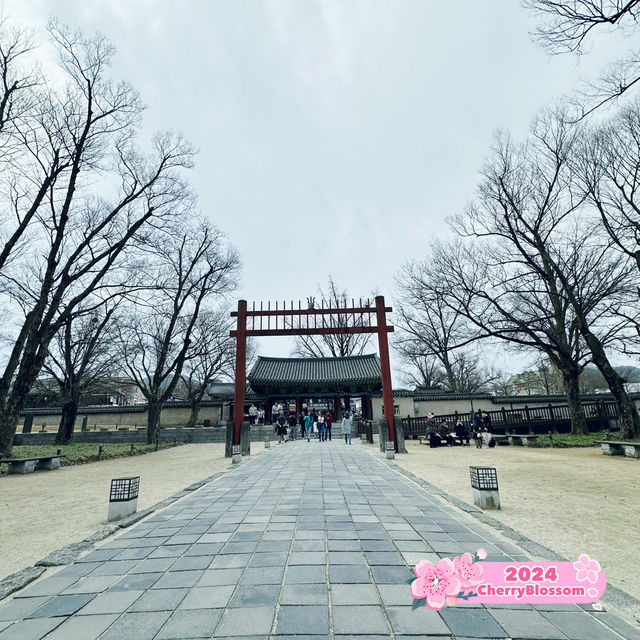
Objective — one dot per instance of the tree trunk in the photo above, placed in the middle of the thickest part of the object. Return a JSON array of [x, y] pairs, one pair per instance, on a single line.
[[153, 420], [629, 420], [68, 418], [8, 426], [195, 409], [571, 378], [451, 378]]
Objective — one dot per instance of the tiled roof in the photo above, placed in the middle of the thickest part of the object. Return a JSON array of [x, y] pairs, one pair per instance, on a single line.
[[295, 371]]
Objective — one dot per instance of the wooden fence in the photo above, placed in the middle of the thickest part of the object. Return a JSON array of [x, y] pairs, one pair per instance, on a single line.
[[525, 420]]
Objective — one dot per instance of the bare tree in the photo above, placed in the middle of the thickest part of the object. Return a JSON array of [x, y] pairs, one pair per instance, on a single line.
[[418, 369], [527, 205], [191, 270], [567, 26], [428, 326], [19, 103], [471, 375], [80, 143], [338, 345], [210, 355], [81, 357]]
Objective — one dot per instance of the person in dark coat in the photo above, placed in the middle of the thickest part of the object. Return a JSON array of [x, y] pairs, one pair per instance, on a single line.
[[281, 428], [445, 433], [293, 422], [461, 432]]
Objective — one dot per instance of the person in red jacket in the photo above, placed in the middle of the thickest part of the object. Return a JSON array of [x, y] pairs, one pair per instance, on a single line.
[[328, 421]]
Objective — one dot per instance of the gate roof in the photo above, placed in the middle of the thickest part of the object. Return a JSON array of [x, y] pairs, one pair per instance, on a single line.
[[351, 374]]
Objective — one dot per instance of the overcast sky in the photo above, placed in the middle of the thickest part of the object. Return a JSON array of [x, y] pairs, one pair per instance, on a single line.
[[335, 136]]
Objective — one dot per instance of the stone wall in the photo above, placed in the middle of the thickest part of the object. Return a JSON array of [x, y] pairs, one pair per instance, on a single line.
[[405, 406], [132, 417], [195, 435]]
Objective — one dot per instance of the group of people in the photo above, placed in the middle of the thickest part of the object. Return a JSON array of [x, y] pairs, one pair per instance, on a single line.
[[312, 424], [479, 427]]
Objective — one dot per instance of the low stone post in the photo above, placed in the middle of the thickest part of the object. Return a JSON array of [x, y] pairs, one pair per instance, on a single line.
[[245, 438], [123, 497], [236, 451], [484, 486], [390, 452], [383, 433], [267, 443], [400, 437], [228, 440]]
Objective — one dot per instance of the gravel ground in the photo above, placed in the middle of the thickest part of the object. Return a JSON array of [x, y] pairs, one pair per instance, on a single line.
[[45, 510], [571, 500]]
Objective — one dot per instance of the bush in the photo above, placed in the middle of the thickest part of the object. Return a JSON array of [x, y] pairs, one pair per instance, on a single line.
[[81, 453], [566, 440]]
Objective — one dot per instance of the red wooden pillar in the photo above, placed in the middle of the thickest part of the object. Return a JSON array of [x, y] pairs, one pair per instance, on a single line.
[[385, 368], [337, 405], [298, 407], [241, 369]]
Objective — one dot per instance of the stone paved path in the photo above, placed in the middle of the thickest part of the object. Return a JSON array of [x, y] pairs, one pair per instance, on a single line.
[[309, 541]]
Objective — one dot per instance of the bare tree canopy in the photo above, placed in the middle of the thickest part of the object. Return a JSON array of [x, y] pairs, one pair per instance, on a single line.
[[211, 354], [81, 356], [428, 326], [80, 195], [332, 346], [190, 270], [546, 279], [568, 26]]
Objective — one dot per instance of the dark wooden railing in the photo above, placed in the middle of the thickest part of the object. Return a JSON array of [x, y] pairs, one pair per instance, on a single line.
[[524, 420]]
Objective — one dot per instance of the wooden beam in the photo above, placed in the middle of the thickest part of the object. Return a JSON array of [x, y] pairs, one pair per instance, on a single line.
[[313, 331]]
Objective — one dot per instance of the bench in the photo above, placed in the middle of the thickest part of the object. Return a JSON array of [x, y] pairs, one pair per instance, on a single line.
[[423, 440], [613, 448], [28, 465], [514, 439]]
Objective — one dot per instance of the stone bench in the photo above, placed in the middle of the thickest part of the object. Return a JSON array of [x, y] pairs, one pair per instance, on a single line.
[[28, 465], [613, 448], [526, 441]]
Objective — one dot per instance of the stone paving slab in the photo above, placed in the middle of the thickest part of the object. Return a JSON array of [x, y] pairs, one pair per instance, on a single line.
[[311, 541]]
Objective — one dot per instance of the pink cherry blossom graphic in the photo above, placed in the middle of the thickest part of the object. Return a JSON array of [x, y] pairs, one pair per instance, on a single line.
[[597, 606], [435, 582], [586, 569], [593, 592], [481, 553], [470, 573]]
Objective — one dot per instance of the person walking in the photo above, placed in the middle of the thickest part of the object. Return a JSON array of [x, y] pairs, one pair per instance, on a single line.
[[281, 428], [274, 413], [328, 421], [261, 415], [308, 426], [347, 423], [293, 422], [253, 414], [322, 434]]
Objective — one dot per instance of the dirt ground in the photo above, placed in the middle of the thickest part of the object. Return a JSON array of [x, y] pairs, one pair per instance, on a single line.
[[571, 500], [46, 510]]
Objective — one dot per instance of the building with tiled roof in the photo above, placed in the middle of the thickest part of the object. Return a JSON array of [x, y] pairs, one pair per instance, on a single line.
[[316, 376]]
